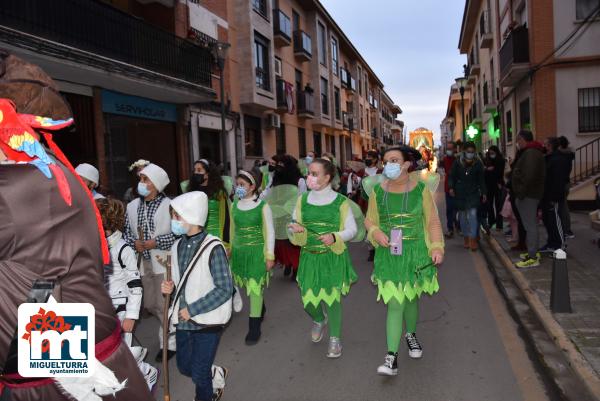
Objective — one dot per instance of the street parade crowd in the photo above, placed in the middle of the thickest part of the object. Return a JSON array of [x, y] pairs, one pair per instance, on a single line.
[[190, 260], [225, 235]]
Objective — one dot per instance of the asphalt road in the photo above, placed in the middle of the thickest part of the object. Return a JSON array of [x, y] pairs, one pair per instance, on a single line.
[[472, 351]]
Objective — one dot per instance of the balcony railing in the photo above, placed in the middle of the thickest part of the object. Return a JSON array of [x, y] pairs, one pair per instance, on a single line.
[[306, 104], [282, 28], [302, 45], [97, 28], [263, 81], [515, 50]]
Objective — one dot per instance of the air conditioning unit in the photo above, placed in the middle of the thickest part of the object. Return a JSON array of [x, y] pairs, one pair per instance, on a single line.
[[278, 67], [273, 121]]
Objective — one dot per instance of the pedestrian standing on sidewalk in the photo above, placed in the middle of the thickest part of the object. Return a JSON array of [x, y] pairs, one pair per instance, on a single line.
[[494, 182], [123, 281], [322, 224], [202, 303], [207, 179], [405, 229], [252, 248], [519, 240], [528, 178], [150, 213], [467, 187], [563, 207], [447, 163], [557, 177]]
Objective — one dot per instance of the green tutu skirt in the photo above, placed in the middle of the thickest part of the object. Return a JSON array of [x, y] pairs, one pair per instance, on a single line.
[[249, 269], [407, 276], [324, 277]]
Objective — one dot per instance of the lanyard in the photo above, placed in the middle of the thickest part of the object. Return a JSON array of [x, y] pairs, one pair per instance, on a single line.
[[403, 210]]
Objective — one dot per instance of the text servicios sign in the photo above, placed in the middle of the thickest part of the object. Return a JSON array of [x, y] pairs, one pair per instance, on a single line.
[[56, 340]]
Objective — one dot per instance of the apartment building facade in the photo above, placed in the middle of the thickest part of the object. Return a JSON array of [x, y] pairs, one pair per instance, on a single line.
[[533, 65], [295, 81], [128, 73]]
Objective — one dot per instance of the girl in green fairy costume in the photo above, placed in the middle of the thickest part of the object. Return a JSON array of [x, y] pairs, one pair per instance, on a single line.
[[206, 178], [252, 247], [405, 229], [322, 224]]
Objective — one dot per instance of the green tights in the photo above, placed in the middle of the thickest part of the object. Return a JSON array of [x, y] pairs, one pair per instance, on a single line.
[[256, 304], [397, 314], [334, 314]]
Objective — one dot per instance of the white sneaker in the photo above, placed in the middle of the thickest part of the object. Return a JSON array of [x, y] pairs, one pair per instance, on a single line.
[[316, 332], [415, 351], [335, 348], [390, 365], [151, 376]]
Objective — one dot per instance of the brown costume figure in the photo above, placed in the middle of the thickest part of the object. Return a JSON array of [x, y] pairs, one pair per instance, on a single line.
[[49, 230]]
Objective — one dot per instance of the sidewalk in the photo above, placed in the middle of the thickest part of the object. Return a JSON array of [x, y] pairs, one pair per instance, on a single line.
[[583, 325]]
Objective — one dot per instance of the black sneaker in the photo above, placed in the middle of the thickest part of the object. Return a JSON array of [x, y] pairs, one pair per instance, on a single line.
[[415, 351], [217, 394], [390, 365]]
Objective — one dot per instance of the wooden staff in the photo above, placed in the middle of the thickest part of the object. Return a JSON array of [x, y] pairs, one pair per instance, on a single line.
[[140, 254], [165, 345]]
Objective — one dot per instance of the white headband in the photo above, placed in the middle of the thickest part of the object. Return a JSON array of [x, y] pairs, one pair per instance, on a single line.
[[249, 176]]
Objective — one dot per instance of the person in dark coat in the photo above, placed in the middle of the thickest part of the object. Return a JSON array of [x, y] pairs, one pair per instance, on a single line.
[[447, 163], [467, 186], [494, 182], [557, 177], [563, 207]]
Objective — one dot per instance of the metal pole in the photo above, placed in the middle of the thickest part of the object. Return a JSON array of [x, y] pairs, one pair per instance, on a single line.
[[462, 108], [223, 131]]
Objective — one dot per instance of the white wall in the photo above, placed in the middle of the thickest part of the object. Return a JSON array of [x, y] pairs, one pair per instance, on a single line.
[[565, 22], [568, 81]]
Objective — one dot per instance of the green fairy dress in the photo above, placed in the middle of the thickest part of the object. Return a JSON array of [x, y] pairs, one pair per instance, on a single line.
[[215, 222], [248, 252], [325, 272], [411, 274]]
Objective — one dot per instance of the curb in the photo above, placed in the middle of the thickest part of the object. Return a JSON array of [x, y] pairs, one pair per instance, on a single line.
[[577, 362]]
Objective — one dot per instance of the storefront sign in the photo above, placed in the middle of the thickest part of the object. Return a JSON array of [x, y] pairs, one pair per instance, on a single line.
[[138, 107]]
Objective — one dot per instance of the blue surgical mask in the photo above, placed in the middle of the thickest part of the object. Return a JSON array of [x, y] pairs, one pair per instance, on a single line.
[[308, 159], [143, 189], [450, 152], [392, 171], [241, 192], [178, 227], [470, 155]]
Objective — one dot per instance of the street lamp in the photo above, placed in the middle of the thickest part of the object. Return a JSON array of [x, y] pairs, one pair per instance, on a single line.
[[219, 51], [461, 82]]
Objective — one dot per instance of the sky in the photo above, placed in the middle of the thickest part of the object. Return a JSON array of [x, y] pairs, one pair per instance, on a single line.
[[412, 46]]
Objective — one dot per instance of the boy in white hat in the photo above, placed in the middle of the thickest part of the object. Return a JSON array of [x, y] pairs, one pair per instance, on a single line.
[[203, 289], [149, 214], [91, 178]]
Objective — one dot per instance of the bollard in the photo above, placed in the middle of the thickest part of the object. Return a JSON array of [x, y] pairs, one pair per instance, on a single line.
[[560, 298]]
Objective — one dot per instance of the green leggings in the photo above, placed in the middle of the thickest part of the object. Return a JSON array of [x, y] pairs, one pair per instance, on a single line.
[[334, 314], [256, 304], [397, 314]]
